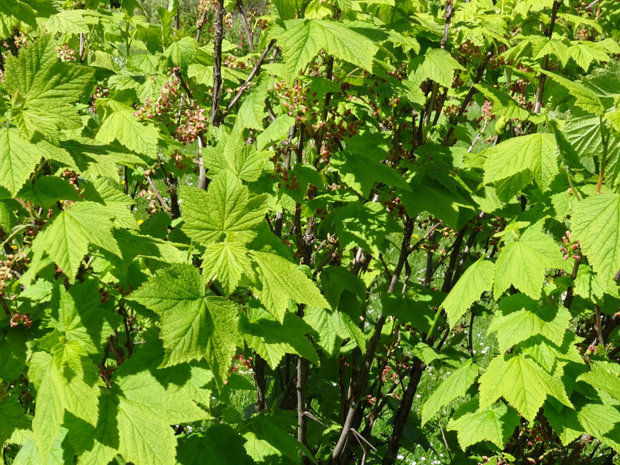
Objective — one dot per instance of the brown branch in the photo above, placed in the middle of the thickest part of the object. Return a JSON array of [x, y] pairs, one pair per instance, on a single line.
[[468, 98], [300, 387], [246, 25], [260, 381], [403, 412], [160, 199], [218, 37], [201, 23], [254, 72], [362, 377]]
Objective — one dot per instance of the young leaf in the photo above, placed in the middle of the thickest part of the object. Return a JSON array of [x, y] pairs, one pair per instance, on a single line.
[[534, 153], [303, 40], [523, 318], [604, 376], [494, 424], [18, 159], [120, 124], [227, 262], [68, 237], [455, 385], [522, 382], [279, 280], [436, 64], [523, 263], [476, 279], [193, 325], [596, 224], [135, 418], [64, 382], [226, 210]]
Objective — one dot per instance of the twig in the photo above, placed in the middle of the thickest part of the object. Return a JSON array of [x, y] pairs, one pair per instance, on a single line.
[[325, 260], [443, 436], [201, 23], [161, 200], [246, 25], [253, 73]]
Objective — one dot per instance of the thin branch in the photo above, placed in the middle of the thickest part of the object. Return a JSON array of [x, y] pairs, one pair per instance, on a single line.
[[253, 73], [443, 436], [246, 25], [404, 408], [201, 23], [161, 200]]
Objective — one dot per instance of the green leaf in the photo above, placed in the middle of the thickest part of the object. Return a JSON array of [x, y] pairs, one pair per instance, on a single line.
[[364, 225], [8, 220], [604, 376], [224, 211], [584, 134], [135, 419], [280, 280], [120, 124], [585, 52], [585, 98], [227, 262], [220, 442], [48, 190], [18, 159], [436, 64], [534, 153], [182, 53], [272, 340], [595, 223], [193, 325], [455, 385], [304, 39], [363, 170], [67, 239], [46, 90], [72, 21], [476, 279], [79, 316], [524, 262], [494, 424], [12, 418], [234, 154], [522, 318], [522, 382], [557, 47], [503, 104], [276, 131], [60, 453], [64, 382], [333, 328]]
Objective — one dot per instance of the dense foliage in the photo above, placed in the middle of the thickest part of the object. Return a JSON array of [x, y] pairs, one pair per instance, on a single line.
[[315, 231]]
